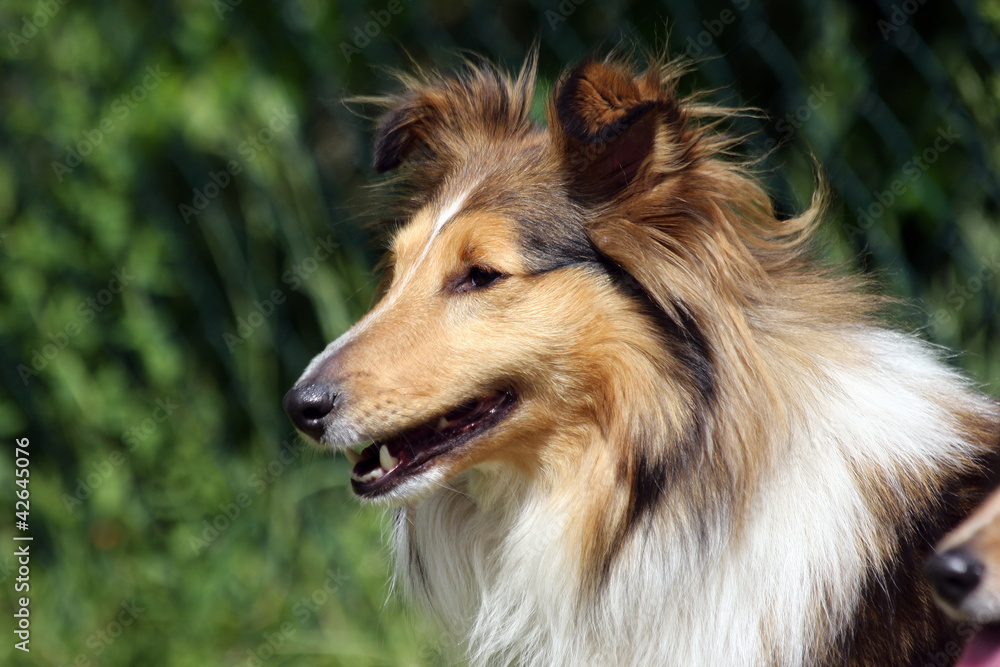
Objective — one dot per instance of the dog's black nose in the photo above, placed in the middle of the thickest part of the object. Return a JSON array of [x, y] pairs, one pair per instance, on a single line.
[[954, 574], [309, 405]]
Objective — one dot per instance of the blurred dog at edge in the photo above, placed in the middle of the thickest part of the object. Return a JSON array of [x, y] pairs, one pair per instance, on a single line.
[[965, 573], [620, 414]]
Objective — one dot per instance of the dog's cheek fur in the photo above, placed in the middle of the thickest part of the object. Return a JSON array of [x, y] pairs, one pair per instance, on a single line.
[[562, 340]]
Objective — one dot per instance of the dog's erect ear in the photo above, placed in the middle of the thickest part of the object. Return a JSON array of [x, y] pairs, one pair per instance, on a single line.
[[605, 122], [440, 118], [397, 133], [403, 129]]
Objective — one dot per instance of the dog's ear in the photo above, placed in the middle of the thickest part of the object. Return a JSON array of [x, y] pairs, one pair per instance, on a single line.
[[404, 128], [605, 124], [437, 120]]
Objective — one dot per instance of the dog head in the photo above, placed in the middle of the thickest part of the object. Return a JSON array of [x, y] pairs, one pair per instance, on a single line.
[[965, 575], [522, 280]]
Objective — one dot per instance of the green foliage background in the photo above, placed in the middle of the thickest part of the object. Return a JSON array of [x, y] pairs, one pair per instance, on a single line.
[[153, 410]]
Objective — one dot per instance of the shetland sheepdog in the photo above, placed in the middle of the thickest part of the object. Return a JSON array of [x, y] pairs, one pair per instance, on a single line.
[[965, 574], [621, 414]]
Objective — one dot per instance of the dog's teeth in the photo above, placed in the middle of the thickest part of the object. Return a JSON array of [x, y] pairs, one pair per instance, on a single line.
[[352, 456], [368, 476], [385, 459], [442, 423]]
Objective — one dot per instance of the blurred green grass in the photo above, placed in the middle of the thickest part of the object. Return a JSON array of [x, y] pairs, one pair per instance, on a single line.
[[145, 347]]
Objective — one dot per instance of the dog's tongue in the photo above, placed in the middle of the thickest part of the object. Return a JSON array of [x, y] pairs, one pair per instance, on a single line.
[[983, 650]]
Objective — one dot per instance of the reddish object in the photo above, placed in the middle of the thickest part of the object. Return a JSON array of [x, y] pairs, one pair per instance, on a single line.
[[983, 650]]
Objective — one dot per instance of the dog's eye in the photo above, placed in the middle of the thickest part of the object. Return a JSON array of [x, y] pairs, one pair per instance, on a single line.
[[478, 277]]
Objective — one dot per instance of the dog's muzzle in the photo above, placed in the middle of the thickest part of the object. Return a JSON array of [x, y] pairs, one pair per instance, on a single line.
[[954, 574]]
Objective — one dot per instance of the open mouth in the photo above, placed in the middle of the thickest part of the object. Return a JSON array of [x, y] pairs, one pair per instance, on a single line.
[[984, 648], [385, 463]]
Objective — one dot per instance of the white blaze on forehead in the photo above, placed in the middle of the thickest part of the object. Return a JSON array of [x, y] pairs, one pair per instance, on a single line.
[[445, 214], [444, 217]]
